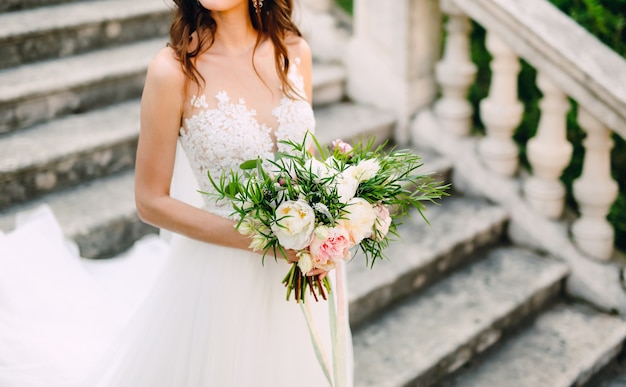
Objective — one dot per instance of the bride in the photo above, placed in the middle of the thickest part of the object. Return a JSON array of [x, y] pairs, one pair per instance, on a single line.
[[233, 82]]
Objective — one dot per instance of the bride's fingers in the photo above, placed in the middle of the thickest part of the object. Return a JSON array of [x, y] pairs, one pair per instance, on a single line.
[[289, 255], [292, 257], [320, 272]]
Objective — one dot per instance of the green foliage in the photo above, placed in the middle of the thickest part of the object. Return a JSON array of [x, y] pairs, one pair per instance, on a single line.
[[346, 5], [605, 19]]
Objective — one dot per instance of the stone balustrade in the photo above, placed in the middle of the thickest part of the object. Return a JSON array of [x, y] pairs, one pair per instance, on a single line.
[[396, 61], [563, 71], [396, 41]]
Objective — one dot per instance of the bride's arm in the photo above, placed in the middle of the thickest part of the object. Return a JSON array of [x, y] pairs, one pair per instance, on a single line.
[[299, 48], [161, 112]]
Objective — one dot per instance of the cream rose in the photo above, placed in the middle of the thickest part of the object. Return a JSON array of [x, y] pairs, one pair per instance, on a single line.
[[365, 170], [295, 221], [329, 245], [358, 220]]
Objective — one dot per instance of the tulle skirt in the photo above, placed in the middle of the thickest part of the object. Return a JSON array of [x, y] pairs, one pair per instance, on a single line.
[[168, 314]]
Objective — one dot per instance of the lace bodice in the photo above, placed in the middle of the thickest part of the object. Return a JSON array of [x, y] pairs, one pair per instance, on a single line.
[[219, 139]]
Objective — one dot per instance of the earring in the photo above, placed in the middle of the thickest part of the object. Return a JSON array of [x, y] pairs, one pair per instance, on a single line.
[[258, 4]]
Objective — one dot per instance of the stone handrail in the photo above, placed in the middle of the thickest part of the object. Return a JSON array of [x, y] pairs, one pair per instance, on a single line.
[[576, 61], [395, 62]]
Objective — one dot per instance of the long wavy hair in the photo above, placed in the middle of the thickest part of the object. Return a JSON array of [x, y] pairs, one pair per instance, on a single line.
[[273, 21]]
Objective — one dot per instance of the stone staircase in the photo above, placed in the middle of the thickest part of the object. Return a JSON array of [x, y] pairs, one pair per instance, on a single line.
[[455, 304]]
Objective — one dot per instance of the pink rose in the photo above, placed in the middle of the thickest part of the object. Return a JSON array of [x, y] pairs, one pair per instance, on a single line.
[[328, 246], [382, 223], [342, 147]]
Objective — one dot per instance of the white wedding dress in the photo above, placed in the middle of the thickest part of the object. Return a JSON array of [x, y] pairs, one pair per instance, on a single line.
[[172, 312]]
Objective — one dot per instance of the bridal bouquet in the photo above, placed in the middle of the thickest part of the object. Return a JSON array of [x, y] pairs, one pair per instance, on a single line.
[[325, 207]]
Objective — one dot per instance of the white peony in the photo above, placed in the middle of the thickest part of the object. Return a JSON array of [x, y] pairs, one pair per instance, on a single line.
[[365, 170], [359, 220], [346, 186], [294, 225]]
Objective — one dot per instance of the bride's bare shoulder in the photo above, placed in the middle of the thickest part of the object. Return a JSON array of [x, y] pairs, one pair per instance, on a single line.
[[165, 67], [297, 47]]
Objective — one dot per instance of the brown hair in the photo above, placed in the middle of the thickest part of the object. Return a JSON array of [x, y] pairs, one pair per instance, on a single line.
[[273, 20]]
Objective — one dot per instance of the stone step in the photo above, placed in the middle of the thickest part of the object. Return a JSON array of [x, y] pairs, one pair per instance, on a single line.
[[434, 333], [67, 152], [43, 91], [99, 216], [425, 254], [19, 5], [72, 28], [59, 154], [612, 376], [330, 80], [56, 155], [619, 381], [352, 122], [563, 347]]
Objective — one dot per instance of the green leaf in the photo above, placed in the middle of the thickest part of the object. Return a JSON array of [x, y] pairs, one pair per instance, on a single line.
[[250, 164], [232, 189], [280, 155]]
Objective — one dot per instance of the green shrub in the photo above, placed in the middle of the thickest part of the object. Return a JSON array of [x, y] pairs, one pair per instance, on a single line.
[[346, 5]]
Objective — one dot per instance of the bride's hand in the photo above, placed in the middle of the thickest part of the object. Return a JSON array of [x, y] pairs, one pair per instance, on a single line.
[[290, 255], [318, 272], [293, 258]]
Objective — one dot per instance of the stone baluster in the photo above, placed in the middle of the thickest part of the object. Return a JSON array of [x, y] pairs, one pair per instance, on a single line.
[[501, 111], [549, 152], [455, 73], [595, 190], [323, 33]]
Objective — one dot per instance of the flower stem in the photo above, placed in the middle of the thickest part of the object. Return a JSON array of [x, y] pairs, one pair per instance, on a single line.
[[310, 282]]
